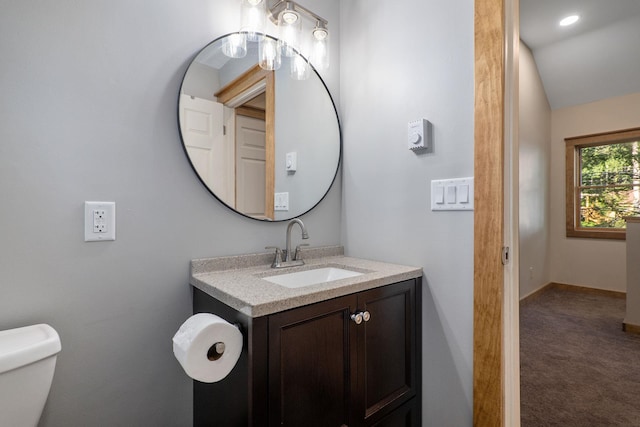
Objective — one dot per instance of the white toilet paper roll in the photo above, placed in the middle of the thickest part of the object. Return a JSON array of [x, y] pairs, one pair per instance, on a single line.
[[207, 347]]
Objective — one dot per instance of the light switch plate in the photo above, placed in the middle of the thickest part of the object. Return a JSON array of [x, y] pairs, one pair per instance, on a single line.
[[99, 221], [281, 202], [452, 194]]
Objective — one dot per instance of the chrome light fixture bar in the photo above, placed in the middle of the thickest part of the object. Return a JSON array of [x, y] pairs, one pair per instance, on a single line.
[[286, 15], [275, 7], [301, 47]]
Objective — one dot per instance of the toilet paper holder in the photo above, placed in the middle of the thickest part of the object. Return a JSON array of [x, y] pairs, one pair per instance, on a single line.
[[208, 347], [217, 349]]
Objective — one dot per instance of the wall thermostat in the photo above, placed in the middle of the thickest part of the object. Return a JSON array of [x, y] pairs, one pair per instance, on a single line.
[[419, 133]]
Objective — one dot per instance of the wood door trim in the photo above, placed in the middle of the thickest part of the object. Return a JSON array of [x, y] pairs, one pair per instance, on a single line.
[[244, 82], [489, 298], [251, 112], [270, 145]]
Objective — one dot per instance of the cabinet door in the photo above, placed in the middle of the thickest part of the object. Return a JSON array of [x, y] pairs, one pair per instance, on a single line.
[[311, 364], [405, 416], [387, 343]]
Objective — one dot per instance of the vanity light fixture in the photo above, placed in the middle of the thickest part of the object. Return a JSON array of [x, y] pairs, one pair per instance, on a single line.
[[235, 46], [569, 20], [253, 16], [320, 46], [312, 43], [300, 68], [290, 25], [293, 41], [269, 54]]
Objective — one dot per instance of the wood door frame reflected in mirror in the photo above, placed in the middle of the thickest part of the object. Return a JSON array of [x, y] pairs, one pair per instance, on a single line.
[[251, 82]]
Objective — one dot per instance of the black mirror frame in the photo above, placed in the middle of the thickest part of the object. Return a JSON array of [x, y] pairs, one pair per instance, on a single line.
[[184, 146]]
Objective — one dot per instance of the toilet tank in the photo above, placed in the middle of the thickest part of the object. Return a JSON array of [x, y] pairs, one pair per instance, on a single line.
[[27, 363]]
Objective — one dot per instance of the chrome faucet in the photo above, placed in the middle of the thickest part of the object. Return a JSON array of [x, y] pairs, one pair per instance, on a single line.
[[305, 235], [285, 258]]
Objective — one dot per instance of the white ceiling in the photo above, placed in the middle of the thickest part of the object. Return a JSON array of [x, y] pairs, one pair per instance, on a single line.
[[596, 58]]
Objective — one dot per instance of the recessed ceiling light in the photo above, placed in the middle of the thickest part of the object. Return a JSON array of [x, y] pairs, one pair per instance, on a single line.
[[569, 20]]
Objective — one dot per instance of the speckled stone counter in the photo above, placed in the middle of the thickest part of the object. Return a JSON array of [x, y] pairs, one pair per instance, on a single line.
[[237, 280]]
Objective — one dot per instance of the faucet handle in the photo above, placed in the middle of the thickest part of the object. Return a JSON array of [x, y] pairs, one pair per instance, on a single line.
[[297, 254], [278, 259]]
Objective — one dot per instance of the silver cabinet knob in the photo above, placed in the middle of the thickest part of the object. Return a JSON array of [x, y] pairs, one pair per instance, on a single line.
[[362, 316], [357, 317]]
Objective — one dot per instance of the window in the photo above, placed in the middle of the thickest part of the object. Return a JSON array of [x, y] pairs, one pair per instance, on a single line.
[[603, 183]]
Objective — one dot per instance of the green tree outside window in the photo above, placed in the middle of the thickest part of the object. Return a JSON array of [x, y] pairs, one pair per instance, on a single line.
[[609, 184]]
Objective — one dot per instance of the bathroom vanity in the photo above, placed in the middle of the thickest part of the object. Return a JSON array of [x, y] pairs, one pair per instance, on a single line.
[[341, 352]]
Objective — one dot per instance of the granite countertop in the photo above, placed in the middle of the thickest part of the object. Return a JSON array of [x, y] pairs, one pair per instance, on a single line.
[[237, 280]]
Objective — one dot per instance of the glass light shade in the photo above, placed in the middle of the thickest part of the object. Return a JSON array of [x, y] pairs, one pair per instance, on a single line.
[[235, 46], [320, 32], [290, 25], [320, 48], [253, 16], [269, 56], [300, 68]]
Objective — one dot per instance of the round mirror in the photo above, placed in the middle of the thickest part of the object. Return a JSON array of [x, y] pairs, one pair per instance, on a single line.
[[266, 143]]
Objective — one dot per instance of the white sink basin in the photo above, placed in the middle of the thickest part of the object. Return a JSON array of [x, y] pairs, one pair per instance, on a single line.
[[304, 278]]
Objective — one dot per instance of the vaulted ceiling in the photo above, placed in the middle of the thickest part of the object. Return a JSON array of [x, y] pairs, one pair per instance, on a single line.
[[596, 58]]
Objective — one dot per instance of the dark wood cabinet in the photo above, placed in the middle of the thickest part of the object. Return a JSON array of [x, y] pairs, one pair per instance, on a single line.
[[408, 415], [311, 352], [316, 366], [388, 350]]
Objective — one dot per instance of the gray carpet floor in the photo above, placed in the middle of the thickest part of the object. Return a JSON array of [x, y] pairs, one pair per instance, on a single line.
[[577, 366]]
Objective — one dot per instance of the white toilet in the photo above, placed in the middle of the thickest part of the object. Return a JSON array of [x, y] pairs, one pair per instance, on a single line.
[[27, 362]]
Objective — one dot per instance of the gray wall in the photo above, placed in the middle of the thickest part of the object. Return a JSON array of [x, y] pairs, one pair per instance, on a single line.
[[201, 81], [535, 159], [400, 64], [89, 112], [305, 124]]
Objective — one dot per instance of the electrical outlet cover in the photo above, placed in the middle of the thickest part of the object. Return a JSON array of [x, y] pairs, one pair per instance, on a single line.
[[99, 221]]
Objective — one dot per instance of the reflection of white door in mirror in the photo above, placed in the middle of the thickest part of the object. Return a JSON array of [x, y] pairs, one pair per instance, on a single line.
[[203, 135], [250, 167], [249, 110]]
